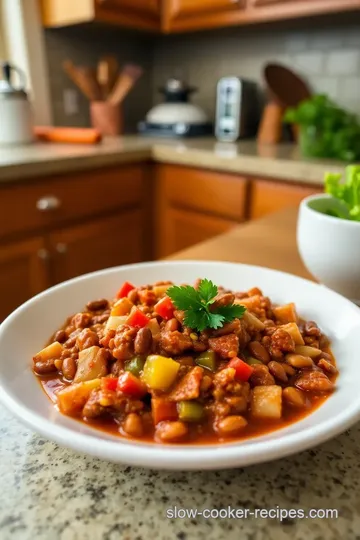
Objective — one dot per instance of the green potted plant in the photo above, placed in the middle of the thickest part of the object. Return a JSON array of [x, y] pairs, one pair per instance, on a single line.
[[325, 129]]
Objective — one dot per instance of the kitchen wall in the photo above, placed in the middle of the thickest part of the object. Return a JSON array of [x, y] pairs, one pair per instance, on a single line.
[[85, 45], [329, 58]]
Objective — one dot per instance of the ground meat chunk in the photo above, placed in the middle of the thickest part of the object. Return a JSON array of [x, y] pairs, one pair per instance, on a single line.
[[81, 320], [175, 343], [279, 342], [147, 297], [122, 344], [221, 300], [314, 381], [189, 386], [87, 338], [92, 408], [261, 376], [233, 327], [225, 346]]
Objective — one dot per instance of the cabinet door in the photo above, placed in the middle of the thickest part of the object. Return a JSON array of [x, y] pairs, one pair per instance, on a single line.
[[188, 8], [183, 229], [23, 273], [142, 6], [268, 197], [100, 244]]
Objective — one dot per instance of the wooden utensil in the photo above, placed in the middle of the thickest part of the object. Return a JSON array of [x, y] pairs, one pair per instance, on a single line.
[[126, 80], [107, 73], [285, 89], [84, 78]]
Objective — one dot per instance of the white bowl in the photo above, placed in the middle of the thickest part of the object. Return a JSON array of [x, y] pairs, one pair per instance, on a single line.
[[29, 327], [329, 246]]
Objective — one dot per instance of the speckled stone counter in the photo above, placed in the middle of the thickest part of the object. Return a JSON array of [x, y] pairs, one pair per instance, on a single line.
[[51, 493], [246, 157]]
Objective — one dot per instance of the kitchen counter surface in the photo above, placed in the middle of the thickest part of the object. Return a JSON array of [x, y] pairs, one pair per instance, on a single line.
[[280, 162], [51, 492]]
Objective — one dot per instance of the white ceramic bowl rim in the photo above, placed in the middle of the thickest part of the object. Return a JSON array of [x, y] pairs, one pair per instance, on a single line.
[[226, 455], [306, 204]]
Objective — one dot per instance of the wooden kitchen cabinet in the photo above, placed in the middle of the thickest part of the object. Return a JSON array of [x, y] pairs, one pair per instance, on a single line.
[[185, 228], [23, 272], [96, 245], [142, 14], [53, 229], [194, 205], [185, 15], [267, 197]]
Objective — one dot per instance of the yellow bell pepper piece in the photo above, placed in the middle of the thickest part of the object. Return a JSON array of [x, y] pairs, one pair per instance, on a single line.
[[122, 307], [160, 372]]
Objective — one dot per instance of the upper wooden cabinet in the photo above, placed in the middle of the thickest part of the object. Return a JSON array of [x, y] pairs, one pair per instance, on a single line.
[[183, 15], [142, 14]]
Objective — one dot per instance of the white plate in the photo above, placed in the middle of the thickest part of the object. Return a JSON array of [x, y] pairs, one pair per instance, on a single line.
[[28, 328]]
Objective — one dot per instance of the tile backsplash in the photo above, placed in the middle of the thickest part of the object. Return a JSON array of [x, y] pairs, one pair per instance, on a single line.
[[328, 57], [84, 45]]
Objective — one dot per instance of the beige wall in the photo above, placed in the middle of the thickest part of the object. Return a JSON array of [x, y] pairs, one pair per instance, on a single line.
[[2, 39]]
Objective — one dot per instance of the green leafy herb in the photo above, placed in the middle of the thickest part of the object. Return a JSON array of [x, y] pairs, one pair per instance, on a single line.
[[348, 192], [326, 130], [197, 304]]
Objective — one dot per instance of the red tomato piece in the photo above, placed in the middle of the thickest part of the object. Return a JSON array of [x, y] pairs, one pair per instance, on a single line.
[[137, 318], [165, 308], [243, 370], [109, 383], [124, 289], [131, 385]]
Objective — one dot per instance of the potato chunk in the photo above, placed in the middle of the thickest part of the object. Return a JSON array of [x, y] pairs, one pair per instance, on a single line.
[[114, 322], [72, 399], [266, 402], [286, 313], [92, 364], [293, 329], [53, 350]]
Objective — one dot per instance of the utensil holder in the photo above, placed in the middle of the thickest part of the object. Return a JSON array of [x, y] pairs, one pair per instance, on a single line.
[[107, 118]]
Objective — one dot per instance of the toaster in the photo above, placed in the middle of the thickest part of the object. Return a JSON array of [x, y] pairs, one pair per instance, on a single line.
[[237, 109]]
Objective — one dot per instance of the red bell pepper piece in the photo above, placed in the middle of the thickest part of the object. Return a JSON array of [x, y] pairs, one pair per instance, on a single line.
[[109, 383], [165, 308], [124, 290], [163, 409], [242, 369], [131, 385], [137, 318]]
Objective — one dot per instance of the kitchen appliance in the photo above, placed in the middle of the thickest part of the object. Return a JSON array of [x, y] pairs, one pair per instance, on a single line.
[[16, 123], [237, 109], [177, 117]]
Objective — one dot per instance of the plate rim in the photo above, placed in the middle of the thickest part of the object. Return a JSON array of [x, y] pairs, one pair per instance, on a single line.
[[180, 457]]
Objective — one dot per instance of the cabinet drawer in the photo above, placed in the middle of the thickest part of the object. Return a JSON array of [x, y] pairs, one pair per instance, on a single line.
[[207, 191], [268, 197], [56, 200]]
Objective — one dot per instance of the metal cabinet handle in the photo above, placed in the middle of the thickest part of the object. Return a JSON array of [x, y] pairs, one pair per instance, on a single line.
[[61, 248], [43, 254], [48, 203]]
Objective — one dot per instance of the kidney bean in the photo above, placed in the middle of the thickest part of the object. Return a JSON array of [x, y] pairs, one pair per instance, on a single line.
[[277, 370], [81, 320], [312, 329], [326, 366], [96, 305], [288, 369], [143, 341], [168, 431], [261, 376], [133, 425], [294, 397], [222, 300], [69, 368], [172, 325], [60, 336], [133, 296], [259, 352], [41, 367], [231, 425]]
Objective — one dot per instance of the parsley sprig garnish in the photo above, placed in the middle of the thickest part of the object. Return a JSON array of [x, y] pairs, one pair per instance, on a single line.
[[197, 303]]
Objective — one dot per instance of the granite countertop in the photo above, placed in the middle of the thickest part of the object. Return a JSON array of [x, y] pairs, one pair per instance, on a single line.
[[51, 493], [246, 157]]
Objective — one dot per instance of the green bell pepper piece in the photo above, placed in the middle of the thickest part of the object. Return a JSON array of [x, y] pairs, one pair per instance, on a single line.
[[207, 360], [135, 365], [252, 361], [190, 411]]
